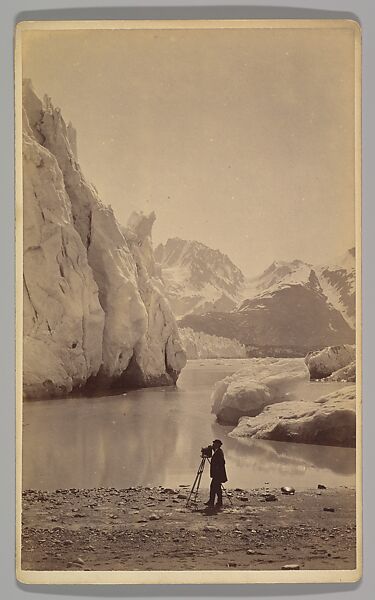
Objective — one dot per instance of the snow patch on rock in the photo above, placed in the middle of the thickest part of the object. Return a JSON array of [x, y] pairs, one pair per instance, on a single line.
[[329, 420], [261, 383]]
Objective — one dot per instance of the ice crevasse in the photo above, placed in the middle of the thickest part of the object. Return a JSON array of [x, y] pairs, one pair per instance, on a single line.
[[95, 310]]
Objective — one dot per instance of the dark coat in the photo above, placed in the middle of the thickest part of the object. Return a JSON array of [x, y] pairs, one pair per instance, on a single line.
[[217, 467]]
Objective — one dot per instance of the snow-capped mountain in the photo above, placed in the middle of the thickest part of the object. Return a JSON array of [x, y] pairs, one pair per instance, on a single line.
[[198, 279], [338, 284], [291, 306], [336, 281]]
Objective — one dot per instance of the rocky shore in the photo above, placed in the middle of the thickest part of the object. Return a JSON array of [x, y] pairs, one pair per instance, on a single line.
[[144, 528]]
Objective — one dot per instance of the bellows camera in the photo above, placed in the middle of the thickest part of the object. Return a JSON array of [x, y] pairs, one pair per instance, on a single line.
[[207, 452]]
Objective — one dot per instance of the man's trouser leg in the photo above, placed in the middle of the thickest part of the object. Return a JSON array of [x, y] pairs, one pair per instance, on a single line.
[[219, 494], [212, 492], [215, 490]]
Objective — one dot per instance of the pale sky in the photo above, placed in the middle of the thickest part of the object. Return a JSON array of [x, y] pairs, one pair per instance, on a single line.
[[241, 139]]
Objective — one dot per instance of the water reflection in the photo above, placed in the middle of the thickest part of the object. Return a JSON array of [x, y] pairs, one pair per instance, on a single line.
[[339, 460], [154, 436]]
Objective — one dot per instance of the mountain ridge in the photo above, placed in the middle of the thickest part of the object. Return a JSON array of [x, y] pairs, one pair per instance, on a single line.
[[198, 278], [291, 304]]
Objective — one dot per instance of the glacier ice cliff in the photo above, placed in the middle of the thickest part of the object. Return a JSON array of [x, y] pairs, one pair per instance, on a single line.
[[202, 345], [95, 310]]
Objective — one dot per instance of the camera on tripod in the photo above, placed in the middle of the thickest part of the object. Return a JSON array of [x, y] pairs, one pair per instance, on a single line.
[[207, 452]]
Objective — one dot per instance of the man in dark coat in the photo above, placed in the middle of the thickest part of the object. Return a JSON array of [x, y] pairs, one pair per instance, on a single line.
[[218, 474]]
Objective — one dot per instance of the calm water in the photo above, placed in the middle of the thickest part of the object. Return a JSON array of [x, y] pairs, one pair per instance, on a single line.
[[154, 436]]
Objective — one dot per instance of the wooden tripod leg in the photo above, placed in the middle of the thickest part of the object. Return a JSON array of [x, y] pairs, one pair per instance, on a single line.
[[201, 469], [197, 477]]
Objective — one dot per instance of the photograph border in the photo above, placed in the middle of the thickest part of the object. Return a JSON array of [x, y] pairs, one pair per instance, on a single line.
[[191, 576]]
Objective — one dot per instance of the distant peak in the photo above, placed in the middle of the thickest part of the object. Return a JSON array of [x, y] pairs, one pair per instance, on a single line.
[[141, 224]]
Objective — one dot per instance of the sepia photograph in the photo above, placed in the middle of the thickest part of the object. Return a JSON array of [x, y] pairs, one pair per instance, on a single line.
[[188, 227]]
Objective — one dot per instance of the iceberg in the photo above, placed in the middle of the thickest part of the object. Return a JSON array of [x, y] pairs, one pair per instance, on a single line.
[[347, 373], [329, 420], [261, 383], [323, 363]]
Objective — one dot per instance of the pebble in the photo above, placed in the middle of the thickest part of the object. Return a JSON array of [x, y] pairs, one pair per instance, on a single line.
[[321, 486], [250, 551], [182, 496], [67, 542], [329, 509], [154, 517], [270, 497], [290, 567]]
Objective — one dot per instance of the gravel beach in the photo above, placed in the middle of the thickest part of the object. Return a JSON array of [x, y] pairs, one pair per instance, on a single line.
[[144, 528]]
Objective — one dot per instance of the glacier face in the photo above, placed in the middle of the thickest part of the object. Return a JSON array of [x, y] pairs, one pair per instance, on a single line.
[[202, 345], [94, 304]]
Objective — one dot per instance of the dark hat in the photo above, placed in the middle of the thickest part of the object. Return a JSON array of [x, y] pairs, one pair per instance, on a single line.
[[218, 442]]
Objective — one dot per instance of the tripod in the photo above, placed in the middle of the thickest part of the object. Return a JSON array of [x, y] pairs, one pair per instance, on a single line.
[[197, 481]]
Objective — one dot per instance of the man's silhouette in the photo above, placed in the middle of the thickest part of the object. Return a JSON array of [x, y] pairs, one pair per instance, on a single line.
[[218, 475]]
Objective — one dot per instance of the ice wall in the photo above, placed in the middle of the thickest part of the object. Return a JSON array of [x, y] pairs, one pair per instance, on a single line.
[[95, 310], [202, 345]]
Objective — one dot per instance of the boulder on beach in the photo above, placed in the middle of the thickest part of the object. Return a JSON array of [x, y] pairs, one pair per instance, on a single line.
[[261, 383], [323, 363], [330, 420]]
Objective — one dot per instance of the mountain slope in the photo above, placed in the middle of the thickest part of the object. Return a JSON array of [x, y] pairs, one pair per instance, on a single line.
[[198, 279], [338, 285], [291, 308]]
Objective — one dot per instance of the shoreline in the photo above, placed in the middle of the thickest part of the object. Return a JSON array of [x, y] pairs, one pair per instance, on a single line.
[[150, 528]]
